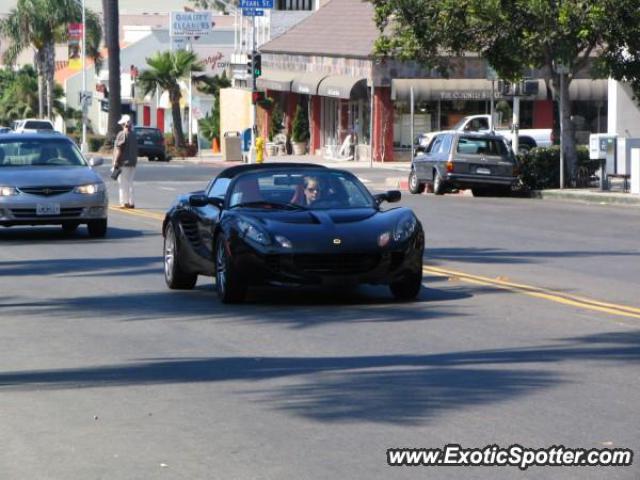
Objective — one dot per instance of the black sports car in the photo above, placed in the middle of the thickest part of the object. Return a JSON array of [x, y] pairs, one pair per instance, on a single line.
[[291, 224]]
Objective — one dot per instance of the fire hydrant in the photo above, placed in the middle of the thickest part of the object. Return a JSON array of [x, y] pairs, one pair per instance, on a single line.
[[260, 149]]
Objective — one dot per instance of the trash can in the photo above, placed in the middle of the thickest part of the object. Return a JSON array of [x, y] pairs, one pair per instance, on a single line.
[[232, 147]]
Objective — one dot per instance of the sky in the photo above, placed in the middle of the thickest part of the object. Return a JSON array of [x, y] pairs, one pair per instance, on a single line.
[[126, 6]]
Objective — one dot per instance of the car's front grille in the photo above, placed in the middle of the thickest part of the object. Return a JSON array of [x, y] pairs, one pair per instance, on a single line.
[[31, 212], [336, 264], [46, 191]]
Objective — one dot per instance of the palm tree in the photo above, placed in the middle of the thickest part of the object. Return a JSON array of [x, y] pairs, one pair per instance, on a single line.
[[167, 68], [111, 29], [40, 24]]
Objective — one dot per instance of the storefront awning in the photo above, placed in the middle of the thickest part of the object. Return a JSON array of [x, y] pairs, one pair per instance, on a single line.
[[480, 89], [342, 86], [307, 83], [278, 80]]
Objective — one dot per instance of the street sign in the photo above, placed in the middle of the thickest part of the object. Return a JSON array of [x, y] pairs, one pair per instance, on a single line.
[[256, 4], [86, 99], [190, 24], [252, 12]]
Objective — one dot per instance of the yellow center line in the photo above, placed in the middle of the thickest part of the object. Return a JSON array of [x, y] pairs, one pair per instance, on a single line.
[[139, 213], [532, 291]]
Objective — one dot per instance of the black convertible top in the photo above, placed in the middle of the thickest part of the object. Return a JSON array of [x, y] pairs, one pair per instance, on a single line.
[[238, 169]]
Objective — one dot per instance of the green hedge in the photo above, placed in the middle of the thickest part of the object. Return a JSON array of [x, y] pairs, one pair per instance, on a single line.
[[540, 167], [94, 142]]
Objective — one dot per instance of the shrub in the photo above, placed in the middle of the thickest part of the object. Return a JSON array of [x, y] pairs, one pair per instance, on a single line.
[[95, 142], [300, 127], [540, 167], [275, 123]]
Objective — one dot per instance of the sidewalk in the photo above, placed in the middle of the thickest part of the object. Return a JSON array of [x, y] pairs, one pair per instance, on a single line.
[[344, 164], [399, 171], [589, 195]]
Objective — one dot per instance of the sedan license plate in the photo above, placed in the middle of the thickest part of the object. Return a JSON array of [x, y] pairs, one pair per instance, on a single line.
[[48, 209], [483, 171], [148, 142]]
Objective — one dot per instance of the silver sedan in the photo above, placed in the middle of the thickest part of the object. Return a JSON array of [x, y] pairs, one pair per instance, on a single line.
[[45, 180]]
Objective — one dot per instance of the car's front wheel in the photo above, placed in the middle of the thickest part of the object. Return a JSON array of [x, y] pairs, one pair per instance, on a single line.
[[230, 287], [414, 184], [97, 228], [174, 276], [408, 287]]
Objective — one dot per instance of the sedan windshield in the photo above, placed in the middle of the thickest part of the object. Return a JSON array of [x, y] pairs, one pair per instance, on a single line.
[[311, 189], [40, 152]]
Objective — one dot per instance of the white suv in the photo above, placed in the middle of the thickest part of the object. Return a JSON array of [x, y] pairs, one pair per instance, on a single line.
[[32, 125]]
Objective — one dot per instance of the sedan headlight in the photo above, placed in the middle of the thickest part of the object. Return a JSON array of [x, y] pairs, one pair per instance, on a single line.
[[405, 228], [252, 232], [90, 189], [8, 191]]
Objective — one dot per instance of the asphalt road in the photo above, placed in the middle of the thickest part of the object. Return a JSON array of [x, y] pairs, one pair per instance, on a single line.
[[527, 331]]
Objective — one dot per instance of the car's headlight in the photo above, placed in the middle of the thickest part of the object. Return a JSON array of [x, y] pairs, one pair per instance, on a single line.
[[90, 189], [8, 191], [383, 239], [252, 232], [284, 242], [405, 228]]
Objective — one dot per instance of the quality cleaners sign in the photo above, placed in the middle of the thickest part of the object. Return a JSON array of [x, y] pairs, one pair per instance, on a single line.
[[190, 24]]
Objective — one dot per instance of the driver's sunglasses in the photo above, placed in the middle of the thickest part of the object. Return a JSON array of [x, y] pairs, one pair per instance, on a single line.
[[312, 189]]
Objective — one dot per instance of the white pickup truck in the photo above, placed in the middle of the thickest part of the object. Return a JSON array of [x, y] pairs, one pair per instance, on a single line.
[[528, 138]]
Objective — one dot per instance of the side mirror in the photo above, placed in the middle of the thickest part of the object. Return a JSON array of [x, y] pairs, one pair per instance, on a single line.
[[198, 200], [392, 196], [96, 162]]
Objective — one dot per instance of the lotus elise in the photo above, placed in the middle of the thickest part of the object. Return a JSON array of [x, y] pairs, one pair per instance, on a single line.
[[291, 224]]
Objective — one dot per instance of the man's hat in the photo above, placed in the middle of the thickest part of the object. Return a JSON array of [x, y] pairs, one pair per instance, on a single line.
[[124, 119]]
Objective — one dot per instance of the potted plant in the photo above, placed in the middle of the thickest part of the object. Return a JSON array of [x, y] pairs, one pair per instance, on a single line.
[[300, 131]]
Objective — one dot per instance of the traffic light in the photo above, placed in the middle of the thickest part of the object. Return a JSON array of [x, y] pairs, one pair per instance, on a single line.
[[257, 97], [254, 64]]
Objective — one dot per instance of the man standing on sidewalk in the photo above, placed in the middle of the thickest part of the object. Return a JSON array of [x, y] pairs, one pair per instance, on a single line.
[[126, 157]]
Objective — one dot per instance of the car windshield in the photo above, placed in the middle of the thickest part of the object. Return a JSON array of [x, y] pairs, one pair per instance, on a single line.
[[486, 146], [37, 125], [148, 133], [40, 152], [299, 189]]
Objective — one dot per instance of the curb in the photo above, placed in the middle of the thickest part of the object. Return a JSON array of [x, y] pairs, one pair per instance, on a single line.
[[601, 198]]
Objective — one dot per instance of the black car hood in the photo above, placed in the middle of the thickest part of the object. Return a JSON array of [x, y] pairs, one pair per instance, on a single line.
[[330, 230]]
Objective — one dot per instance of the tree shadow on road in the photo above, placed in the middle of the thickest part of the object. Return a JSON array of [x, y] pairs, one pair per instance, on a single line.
[[398, 389]]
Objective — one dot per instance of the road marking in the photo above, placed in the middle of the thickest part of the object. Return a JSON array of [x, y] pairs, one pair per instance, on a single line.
[[139, 213], [538, 292], [500, 282]]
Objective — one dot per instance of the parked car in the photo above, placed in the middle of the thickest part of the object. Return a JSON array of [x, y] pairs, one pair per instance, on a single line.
[[151, 143], [32, 125], [248, 227], [528, 138], [45, 180], [480, 161]]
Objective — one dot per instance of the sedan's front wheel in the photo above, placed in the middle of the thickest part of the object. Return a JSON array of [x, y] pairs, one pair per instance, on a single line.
[[229, 285], [174, 276]]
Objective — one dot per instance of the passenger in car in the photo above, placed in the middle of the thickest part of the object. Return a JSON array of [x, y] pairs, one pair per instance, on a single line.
[[247, 190]]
